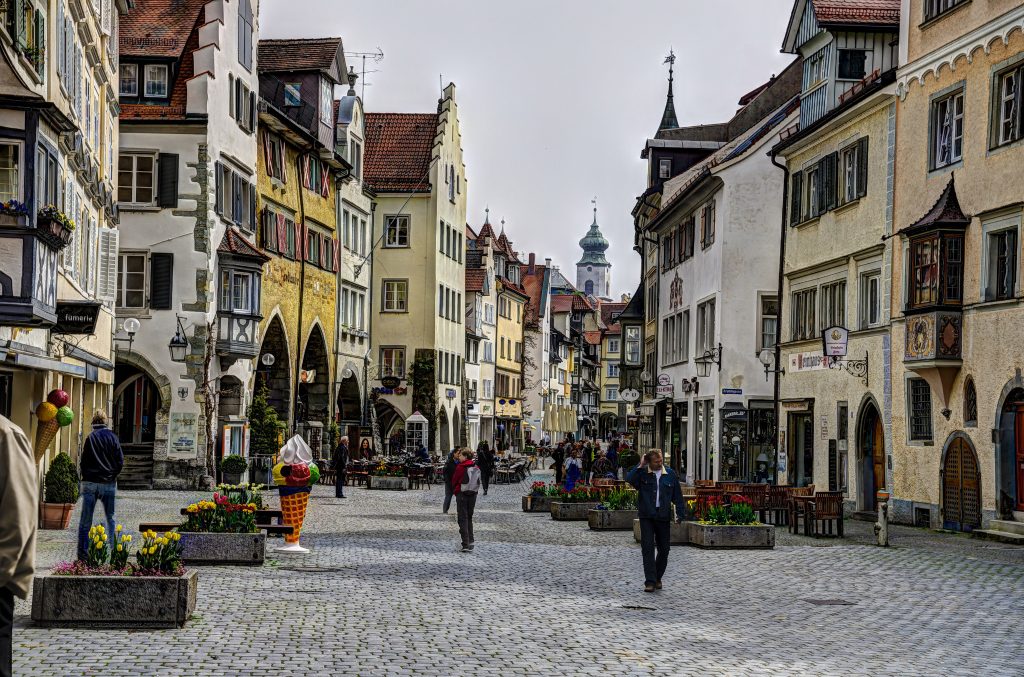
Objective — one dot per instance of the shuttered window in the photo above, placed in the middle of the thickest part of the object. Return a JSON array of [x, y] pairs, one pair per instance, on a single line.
[[107, 274], [131, 280], [161, 281], [796, 198], [235, 197], [167, 180]]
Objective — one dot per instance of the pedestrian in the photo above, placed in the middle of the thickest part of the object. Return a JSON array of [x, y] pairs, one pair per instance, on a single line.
[[485, 461], [447, 472], [613, 457], [101, 463], [19, 504], [422, 455], [573, 470], [658, 488], [365, 450], [603, 468], [466, 483], [340, 463], [558, 456]]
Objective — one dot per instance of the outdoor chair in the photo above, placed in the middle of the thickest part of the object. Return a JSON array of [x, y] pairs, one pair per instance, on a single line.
[[708, 484], [796, 508], [778, 504], [731, 487], [827, 507], [706, 497], [416, 477], [757, 494]]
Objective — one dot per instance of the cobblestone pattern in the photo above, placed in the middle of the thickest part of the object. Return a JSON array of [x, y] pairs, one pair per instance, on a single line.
[[384, 592]]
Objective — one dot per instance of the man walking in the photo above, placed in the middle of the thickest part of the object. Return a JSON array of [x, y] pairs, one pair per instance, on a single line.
[[558, 456], [19, 504], [658, 487], [447, 472], [485, 461], [466, 483], [340, 461], [102, 460]]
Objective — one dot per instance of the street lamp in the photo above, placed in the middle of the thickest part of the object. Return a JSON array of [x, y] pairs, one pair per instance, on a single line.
[[178, 346], [767, 358], [709, 357], [131, 327]]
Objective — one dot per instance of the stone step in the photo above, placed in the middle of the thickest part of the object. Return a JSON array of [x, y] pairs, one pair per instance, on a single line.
[[999, 536], [1010, 526]]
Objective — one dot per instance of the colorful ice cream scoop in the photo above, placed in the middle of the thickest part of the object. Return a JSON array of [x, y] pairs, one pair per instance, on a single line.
[[58, 398], [46, 411]]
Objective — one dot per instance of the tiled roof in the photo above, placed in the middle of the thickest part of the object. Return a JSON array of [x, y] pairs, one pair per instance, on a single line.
[[505, 245], [534, 286], [850, 12], [592, 337], [563, 303], [470, 233], [486, 231], [175, 109], [613, 329], [397, 151], [298, 54], [508, 284], [158, 28], [234, 243], [475, 279], [609, 310], [945, 212]]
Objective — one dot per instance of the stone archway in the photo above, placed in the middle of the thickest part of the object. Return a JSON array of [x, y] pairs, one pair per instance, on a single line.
[[349, 402], [314, 393], [1009, 452], [457, 432], [277, 377], [444, 431]]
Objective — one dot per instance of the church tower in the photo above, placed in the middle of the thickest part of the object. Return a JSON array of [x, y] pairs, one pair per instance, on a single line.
[[593, 271]]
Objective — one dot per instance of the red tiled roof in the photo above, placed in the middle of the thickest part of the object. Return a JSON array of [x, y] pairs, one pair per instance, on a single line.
[[298, 54], [533, 284], [475, 279], [470, 234], [563, 303], [608, 310], [592, 337], [234, 243], [505, 245], [175, 109], [397, 151], [158, 28], [486, 232], [508, 284], [613, 329], [848, 12]]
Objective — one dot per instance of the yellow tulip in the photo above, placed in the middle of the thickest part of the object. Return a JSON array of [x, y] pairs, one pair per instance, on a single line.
[[128, 538], [167, 534], [177, 536], [97, 544], [99, 528], [119, 548], [118, 528], [104, 538]]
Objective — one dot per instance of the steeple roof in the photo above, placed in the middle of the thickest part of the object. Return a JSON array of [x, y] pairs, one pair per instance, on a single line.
[[668, 118], [594, 246]]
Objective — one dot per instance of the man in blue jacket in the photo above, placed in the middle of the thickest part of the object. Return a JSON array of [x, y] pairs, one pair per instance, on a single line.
[[101, 463], [658, 488]]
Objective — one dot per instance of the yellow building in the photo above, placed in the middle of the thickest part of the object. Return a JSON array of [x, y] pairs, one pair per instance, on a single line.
[[298, 172], [508, 372], [612, 414]]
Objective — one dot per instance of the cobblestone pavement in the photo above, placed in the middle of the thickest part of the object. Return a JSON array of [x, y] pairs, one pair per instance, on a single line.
[[385, 592]]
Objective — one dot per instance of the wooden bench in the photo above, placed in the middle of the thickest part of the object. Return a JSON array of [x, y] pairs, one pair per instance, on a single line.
[[271, 529]]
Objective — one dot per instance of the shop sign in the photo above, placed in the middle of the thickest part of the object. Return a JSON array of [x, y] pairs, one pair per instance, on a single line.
[[76, 317], [646, 410], [732, 391], [834, 341], [812, 361], [691, 386], [391, 391], [391, 382], [450, 393], [664, 387], [795, 405], [181, 435]]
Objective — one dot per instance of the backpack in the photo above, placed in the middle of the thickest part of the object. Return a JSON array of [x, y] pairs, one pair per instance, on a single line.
[[470, 481]]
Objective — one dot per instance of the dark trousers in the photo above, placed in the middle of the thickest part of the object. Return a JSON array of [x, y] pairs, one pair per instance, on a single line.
[[558, 472], [465, 503], [91, 492], [447, 494], [654, 534], [485, 479], [339, 484], [6, 630]]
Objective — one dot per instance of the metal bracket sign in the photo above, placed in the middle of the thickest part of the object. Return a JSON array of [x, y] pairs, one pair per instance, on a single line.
[[834, 341]]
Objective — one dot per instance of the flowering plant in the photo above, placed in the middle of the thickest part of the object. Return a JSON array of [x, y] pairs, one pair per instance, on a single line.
[[739, 512], [13, 208], [51, 213], [538, 489], [98, 552], [580, 494], [243, 493], [220, 516], [619, 499], [160, 553], [385, 469], [121, 550]]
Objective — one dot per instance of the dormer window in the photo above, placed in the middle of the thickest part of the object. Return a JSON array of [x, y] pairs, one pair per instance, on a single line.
[[665, 168], [129, 79], [852, 64], [156, 81]]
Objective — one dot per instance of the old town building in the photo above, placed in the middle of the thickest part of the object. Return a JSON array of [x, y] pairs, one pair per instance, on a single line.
[[540, 375], [611, 410], [509, 336], [481, 325]]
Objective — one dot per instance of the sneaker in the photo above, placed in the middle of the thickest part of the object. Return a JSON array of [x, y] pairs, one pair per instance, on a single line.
[[466, 548], [657, 585], [648, 587], [470, 549]]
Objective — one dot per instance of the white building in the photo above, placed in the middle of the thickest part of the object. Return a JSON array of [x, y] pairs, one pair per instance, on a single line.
[[539, 388]]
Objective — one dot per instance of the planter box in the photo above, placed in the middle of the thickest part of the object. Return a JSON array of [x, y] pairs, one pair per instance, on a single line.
[[571, 511], [390, 483], [126, 602], [679, 534], [611, 520], [536, 504], [734, 536], [55, 515], [206, 548]]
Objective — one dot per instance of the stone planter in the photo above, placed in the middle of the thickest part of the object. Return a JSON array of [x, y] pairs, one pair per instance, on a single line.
[[571, 511], [536, 504], [679, 534], [389, 483], [611, 520], [126, 602], [55, 515], [207, 548], [732, 536]]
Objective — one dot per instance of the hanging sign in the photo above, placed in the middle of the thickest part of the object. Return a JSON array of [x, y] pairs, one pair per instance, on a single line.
[[664, 386], [76, 317], [834, 341], [629, 395], [391, 382]]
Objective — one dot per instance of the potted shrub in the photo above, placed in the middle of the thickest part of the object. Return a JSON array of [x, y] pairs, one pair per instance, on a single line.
[[616, 511], [60, 493], [232, 467]]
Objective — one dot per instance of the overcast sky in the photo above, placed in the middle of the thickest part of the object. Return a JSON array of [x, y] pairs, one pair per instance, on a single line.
[[556, 97]]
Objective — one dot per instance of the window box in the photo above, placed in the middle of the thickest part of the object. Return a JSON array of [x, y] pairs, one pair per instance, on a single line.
[[55, 229]]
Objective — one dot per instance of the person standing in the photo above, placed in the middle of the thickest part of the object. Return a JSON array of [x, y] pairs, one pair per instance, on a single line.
[[446, 473], [19, 504], [558, 456], [573, 470], [466, 483], [485, 461], [340, 465], [101, 463], [658, 488], [613, 457]]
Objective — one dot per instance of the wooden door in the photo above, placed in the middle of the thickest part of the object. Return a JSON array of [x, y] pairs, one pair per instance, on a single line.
[[878, 454], [1019, 443], [961, 488]]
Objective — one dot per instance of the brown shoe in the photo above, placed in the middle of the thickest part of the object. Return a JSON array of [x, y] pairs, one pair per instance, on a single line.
[[657, 586], [648, 587]]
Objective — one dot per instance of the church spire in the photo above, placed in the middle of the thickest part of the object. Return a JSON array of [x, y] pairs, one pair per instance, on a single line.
[[668, 118]]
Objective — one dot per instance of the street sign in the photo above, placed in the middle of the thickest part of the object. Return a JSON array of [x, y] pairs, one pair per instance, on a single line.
[[834, 340], [732, 391]]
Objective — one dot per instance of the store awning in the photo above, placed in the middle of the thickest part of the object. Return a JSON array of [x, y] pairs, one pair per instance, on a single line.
[[49, 364]]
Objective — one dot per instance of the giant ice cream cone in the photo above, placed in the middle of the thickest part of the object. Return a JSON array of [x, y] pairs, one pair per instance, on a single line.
[[294, 482], [294, 501], [45, 432]]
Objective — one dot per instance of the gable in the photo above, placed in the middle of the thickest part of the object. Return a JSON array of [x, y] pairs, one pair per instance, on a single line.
[[803, 25]]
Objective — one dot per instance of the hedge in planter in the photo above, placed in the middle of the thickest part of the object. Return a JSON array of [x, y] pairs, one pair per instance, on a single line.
[[232, 467], [60, 493]]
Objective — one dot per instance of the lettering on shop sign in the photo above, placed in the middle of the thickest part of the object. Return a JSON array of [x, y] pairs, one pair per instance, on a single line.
[[824, 426], [812, 361], [181, 435], [391, 391]]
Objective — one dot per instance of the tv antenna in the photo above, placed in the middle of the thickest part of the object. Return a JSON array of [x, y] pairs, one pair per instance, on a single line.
[[376, 57]]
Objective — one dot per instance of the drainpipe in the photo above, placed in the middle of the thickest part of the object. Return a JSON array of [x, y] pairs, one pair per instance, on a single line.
[[778, 323], [369, 323], [302, 284]]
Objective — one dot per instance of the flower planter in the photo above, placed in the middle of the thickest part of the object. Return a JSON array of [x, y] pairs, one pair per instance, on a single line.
[[13, 219], [732, 536], [536, 504], [388, 483], [53, 232], [231, 477], [209, 548], [55, 515], [611, 520], [571, 511], [128, 602], [679, 534]]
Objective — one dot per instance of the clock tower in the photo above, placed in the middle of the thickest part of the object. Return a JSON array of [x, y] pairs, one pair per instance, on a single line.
[[593, 271]]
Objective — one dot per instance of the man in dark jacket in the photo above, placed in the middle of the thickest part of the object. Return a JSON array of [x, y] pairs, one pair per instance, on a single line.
[[558, 456], [447, 472], [340, 462], [658, 488], [101, 463], [485, 461]]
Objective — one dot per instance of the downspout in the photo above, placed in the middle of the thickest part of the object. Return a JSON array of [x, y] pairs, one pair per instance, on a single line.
[[778, 323], [302, 284], [369, 323]]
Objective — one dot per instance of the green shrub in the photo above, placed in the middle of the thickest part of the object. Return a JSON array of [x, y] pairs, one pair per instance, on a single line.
[[233, 463], [621, 499], [61, 481]]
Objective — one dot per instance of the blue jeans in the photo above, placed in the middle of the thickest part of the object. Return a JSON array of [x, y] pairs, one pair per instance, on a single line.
[[90, 492]]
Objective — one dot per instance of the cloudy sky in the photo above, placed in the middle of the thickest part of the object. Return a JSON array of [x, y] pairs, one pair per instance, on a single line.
[[556, 97]]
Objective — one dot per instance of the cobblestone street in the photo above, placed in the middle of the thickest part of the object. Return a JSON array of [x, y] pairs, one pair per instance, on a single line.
[[384, 591]]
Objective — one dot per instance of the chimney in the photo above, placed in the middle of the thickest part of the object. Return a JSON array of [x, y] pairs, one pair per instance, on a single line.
[[547, 263], [532, 269]]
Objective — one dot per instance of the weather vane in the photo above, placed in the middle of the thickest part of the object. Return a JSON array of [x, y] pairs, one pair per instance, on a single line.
[[594, 202], [670, 60]]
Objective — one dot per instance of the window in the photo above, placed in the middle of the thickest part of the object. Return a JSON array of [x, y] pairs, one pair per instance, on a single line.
[[451, 182], [488, 351], [292, 94], [1002, 265], [49, 190], [851, 64], [392, 361], [870, 300], [920, 410], [665, 168], [853, 171], [970, 403], [705, 326], [136, 175], [707, 225], [815, 69], [274, 156], [632, 345], [804, 326], [613, 345], [933, 8], [236, 197], [326, 101], [355, 157], [243, 106], [396, 231], [769, 321], [238, 292], [833, 305], [611, 393], [1009, 119], [245, 34], [10, 164], [156, 81], [396, 296], [947, 129], [129, 79], [131, 280], [488, 389], [613, 370]]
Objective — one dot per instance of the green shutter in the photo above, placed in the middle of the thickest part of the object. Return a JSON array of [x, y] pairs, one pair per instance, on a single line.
[[796, 197], [862, 167]]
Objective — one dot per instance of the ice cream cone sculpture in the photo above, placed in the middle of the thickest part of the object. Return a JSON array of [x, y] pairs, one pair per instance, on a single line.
[[53, 414], [295, 474]]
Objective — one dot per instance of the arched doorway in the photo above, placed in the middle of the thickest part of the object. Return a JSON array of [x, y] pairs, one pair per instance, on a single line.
[[136, 400], [870, 456], [457, 435], [444, 431], [1010, 455], [961, 485], [349, 402], [387, 426], [276, 377], [314, 380]]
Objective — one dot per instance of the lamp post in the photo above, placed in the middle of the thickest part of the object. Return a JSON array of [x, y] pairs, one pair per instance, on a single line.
[[767, 358], [130, 327], [178, 346], [704, 362]]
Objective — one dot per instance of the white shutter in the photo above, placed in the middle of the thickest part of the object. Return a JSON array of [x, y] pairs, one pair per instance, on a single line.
[[108, 265], [106, 27]]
